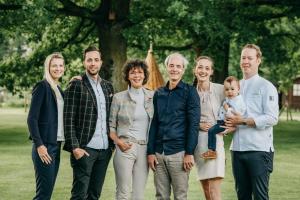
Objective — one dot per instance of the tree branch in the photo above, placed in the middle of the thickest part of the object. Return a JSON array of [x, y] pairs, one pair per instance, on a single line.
[[171, 48], [10, 7], [70, 8]]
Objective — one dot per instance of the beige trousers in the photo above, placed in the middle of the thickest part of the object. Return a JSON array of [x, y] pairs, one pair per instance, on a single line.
[[170, 173], [131, 172]]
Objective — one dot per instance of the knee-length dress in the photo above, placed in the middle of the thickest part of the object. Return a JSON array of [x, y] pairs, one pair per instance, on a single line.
[[210, 104]]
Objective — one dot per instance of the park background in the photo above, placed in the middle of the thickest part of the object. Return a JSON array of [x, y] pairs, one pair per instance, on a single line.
[[124, 29]]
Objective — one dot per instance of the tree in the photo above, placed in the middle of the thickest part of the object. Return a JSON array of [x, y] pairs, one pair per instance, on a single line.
[[197, 27]]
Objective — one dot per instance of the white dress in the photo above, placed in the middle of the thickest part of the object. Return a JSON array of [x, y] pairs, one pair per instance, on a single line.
[[211, 168]]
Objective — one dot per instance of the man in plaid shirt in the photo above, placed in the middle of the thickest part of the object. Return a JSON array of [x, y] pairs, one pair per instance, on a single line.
[[86, 112]]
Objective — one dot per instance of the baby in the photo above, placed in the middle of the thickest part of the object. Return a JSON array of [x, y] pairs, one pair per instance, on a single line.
[[233, 102]]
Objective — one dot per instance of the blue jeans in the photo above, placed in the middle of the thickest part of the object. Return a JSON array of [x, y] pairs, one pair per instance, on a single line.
[[212, 132], [45, 174]]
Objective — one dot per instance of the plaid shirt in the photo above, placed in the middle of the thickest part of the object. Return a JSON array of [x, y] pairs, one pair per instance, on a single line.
[[80, 112]]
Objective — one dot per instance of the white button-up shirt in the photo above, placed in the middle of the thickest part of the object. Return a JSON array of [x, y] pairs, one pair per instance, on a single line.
[[261, 99]]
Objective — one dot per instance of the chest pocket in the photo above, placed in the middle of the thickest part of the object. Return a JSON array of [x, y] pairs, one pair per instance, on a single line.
[[254, 103]]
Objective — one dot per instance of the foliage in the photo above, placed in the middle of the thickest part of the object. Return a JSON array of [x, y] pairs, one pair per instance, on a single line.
[[32, 29]]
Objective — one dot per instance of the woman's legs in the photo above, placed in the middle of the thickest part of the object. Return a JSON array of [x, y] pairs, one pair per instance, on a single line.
[[45, 174], [212, 188]]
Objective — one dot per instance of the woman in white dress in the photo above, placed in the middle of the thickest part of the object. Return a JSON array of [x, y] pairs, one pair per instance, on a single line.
[[210, 172]]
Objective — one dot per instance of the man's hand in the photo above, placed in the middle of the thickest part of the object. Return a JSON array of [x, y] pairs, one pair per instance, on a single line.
[[43, 154], [204, 126], [123, 146], [152, 162], [227, 130], [188, 162], [78, 153], [233, 120], [236, 119]]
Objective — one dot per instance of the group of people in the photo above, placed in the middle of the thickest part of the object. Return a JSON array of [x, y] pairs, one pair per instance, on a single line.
[[168, 131]]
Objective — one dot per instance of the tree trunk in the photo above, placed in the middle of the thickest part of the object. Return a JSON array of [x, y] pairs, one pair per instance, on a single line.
[[221, 63], [113, 48]]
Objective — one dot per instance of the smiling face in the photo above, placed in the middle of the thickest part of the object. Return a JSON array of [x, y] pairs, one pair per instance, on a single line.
[[175, 68], [249, 62], [231, 89], [203, 70], [136, 77], [56, 68], [92, 63]]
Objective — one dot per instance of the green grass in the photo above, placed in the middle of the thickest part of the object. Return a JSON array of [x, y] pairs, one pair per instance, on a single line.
[[17, 175]]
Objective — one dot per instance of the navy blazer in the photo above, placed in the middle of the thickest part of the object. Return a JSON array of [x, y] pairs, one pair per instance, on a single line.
[[42, 116]]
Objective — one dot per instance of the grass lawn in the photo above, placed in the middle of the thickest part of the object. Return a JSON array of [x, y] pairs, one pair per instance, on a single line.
[[17, 175]]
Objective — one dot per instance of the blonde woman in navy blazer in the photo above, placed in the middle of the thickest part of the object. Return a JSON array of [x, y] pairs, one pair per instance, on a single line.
[[130, 116], [45, 123]]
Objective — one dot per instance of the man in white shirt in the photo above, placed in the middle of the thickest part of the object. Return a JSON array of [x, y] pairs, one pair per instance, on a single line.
[[252, 143]]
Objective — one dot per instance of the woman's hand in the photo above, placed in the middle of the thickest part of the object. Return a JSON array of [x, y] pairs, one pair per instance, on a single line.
[[204, 126], [123, 146], [76, 78], [43, 154]]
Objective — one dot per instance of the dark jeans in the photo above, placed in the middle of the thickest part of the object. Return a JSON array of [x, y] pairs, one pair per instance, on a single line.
[[212, 132], [251, 171], [45, 175], [89, 174]]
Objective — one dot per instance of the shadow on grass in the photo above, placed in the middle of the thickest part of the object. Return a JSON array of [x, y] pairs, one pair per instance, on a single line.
[[16, 136]]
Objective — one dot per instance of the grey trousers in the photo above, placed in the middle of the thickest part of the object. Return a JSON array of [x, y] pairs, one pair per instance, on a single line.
[[169, 172], [131, 172]]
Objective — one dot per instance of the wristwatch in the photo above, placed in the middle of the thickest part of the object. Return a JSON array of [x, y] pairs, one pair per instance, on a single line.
[[244, 122]]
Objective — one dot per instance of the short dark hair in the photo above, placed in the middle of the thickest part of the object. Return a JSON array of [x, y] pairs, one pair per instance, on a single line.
[[89, 49], [231, 79], [131, 64]]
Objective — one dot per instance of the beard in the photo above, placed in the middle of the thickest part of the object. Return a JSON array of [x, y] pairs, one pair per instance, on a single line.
[[92, 73]]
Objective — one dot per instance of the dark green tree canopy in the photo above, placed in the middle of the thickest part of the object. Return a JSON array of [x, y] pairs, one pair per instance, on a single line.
[[30, 30]]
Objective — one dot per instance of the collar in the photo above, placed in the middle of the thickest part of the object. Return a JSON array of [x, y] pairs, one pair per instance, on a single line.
[[180, 84], [91, 79], [252, 78], [144, 90]]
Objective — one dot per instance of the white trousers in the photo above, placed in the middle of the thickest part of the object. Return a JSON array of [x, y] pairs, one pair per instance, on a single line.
[[131, 172]]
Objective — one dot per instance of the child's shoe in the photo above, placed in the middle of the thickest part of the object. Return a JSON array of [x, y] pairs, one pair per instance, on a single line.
[[209, 154]]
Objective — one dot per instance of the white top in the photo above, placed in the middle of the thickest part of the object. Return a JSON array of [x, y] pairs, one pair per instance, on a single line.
[[235, 104], [60, 125], [261, 99], [139, 127]]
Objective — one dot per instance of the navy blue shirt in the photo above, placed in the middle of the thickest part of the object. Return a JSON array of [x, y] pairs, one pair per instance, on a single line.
[[176, 118]]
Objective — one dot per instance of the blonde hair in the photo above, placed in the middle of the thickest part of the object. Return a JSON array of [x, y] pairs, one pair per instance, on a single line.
[[47, 74], [253, 46]]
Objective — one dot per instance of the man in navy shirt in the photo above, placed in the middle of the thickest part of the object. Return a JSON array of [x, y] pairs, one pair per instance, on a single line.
[[173, 134]]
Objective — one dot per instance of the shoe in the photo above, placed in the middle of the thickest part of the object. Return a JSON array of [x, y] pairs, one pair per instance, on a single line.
[[209, 154]]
